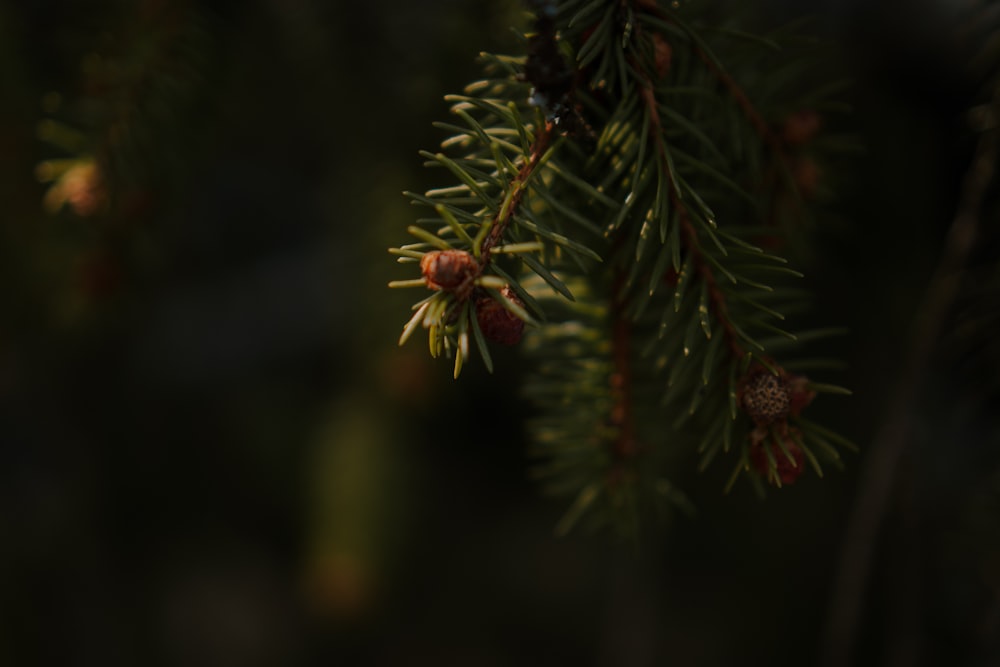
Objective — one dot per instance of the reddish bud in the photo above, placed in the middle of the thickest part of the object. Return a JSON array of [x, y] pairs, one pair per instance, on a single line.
[[496, 322], [799, 393], [448, 269], [786, 471]]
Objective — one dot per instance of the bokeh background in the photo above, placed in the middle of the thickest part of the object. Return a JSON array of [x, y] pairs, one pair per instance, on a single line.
[[213, 453]]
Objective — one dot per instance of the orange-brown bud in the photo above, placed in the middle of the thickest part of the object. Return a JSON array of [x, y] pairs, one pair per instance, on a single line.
[[448, 269]]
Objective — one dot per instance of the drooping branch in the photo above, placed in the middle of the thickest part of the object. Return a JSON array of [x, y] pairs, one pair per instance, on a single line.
[[658, 154]]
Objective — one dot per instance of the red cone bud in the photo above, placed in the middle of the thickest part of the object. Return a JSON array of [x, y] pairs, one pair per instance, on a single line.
[[448, 269], [496, 322]]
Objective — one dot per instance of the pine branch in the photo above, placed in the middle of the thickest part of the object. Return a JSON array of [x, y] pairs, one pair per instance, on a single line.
[[489, 204], [690, 241], [515, 193], [673, 347]]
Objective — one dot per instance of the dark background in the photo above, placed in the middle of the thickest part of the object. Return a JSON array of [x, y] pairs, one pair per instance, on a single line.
[[213, 453]]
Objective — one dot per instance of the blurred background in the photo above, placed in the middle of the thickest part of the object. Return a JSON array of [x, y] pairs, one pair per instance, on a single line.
[[212, 451]]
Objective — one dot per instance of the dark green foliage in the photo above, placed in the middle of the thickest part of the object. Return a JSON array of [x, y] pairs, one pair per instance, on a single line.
[[682, 158]]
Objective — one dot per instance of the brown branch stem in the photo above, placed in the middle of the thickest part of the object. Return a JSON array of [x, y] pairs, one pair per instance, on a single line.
[[689, 235], [730, 84], [746, 106], [625, 446], [516, 190], [716, 298]]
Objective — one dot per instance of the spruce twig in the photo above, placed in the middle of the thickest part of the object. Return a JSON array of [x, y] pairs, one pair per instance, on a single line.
[[689, 234], [515, 193], [674, 344]]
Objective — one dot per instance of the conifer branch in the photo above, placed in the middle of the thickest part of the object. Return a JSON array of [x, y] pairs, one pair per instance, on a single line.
[[727, 81], [689, 234], [675, 345], [717, 299], [743, 102], [515, 193]]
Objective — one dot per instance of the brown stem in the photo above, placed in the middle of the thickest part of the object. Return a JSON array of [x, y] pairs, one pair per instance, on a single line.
[[753, 116], [716, 298], [689, 235], [745, 105], [734, 89], [518, 186], [622, 417], [501, 221]]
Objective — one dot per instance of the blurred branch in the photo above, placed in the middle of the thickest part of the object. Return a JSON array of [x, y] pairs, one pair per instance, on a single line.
[[877, 477]]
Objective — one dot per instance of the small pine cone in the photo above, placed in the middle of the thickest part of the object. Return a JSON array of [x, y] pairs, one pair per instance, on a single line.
[[800, 127], [764, 396], [496, 322], [787, 471], [448, 269]]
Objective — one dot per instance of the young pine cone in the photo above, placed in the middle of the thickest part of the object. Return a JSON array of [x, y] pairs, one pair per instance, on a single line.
[[765, 396], [785, 470], [448, 269], [496, 322]]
